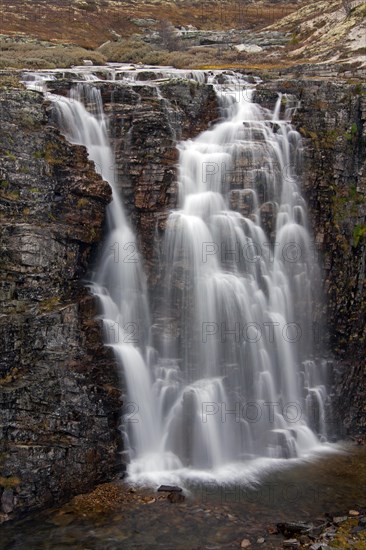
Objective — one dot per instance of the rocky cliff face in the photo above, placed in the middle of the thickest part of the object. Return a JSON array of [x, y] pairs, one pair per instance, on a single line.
[[332, 121], [59, 391], [59, 404]]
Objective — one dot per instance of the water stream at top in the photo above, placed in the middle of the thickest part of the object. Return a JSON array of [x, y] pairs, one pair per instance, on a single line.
[[230, 387]]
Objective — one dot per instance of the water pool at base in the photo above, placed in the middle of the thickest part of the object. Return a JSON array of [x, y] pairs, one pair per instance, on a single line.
[[211, 517]]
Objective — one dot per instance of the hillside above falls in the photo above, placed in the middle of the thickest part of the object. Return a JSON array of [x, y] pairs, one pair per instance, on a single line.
[[186, 34], [327, 31]]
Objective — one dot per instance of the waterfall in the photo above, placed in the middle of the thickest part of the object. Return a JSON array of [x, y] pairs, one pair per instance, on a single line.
[[232, 377], [239, 295], [119, 283]]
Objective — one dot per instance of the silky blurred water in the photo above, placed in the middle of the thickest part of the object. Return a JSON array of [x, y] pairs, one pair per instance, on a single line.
[[185, 386]]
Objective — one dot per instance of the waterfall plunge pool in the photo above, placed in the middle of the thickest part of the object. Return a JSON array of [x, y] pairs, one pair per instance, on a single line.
[[212, 516]]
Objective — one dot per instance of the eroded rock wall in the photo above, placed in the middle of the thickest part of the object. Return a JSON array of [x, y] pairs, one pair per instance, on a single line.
[[59, 396]]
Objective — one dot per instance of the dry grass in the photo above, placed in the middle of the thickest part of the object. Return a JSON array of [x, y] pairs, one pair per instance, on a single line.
[[38, 55], [89, 23], [9, 81], [321, 31], [64, 32], [135, 50], [44, 56]]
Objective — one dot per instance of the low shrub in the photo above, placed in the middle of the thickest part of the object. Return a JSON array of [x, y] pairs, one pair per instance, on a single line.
[[45, 55], [137, 51]]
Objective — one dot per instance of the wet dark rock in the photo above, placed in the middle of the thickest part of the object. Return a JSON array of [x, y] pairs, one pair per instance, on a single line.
[[268, 212], [7, 501], [59, 395], [144, 129], [275, 126], [176, 498], [170, 489], [292, 528]]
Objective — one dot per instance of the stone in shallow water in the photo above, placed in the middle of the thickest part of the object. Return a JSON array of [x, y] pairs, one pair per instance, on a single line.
[[292, 528], [170, 489], [245, 543], [291, 543]]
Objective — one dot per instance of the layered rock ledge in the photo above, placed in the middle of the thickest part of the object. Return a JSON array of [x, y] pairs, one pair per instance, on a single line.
[[59, 395]]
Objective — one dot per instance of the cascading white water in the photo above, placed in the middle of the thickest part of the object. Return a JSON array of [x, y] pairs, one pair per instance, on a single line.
[[231, 377], [119, 283], [238, 297]]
